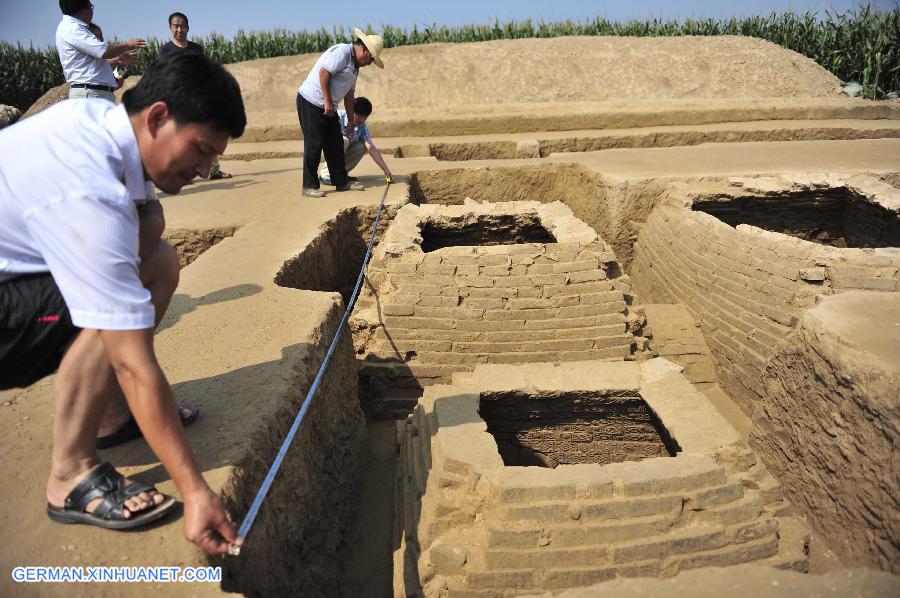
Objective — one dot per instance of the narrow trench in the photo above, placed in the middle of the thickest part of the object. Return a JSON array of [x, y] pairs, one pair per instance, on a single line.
[[653, 138], [331, 263]]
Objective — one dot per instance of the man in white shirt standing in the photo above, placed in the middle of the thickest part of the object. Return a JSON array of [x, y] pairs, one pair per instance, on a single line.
[[84, 276], [332, 79], [84, 56]]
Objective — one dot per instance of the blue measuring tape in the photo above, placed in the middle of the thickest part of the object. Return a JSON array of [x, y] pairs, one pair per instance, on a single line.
[[235, 549]]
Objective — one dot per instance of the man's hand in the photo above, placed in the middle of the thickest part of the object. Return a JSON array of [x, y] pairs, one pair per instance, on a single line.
[[206, 523], [325, 83], [127, 59], [116, 50], [348, 132], [152, 224]]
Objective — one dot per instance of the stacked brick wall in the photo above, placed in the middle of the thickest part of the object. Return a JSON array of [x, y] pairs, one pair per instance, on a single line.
[[746, 286], [424, 316]]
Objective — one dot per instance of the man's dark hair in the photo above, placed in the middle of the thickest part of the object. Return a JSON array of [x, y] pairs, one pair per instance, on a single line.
[[196, 90], [362, 106], [70, 7], [178, 14]]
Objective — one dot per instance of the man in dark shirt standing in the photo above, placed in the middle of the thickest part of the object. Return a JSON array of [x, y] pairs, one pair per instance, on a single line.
[[178, 25]]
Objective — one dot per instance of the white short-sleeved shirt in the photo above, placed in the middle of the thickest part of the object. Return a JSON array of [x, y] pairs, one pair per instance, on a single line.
[[337, 60], [68, 206], [81, 54]]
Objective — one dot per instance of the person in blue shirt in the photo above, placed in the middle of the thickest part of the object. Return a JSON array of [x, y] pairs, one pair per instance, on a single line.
[[359, 143]]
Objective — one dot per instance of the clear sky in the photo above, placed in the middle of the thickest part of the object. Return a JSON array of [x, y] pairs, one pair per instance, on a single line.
[[34, 21]]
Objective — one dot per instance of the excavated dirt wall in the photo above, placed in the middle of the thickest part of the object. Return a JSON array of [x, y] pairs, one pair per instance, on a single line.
[[832, 426], [305, 523], [330, 262], [191, 243], [323, 264], [541, 148]]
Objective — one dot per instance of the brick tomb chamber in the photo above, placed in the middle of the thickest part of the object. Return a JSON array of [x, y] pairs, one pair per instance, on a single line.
[[637, 475], [453, 286]]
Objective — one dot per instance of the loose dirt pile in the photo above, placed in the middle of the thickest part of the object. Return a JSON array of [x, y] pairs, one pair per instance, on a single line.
[[565, 69]]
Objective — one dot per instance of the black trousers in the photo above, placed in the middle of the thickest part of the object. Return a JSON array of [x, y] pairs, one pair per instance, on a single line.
[[321, 134]]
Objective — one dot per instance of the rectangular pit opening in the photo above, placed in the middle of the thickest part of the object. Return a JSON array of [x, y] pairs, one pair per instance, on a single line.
[[504, 229], [569, 428], [835, 217]]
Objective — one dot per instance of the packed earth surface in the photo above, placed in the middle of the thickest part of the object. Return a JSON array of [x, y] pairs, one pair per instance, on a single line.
[[708, 222]]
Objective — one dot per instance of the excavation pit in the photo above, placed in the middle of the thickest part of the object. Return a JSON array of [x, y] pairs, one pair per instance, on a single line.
[[838, 217], [501, 229], [570, 428]]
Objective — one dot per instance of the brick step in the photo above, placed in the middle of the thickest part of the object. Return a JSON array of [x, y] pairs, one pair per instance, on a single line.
[[394, 324], [509, 559], [556, 512], [466, 360], [393, 368], [698, 501], [681, 550], [727, 556], [793, 546], [744, 509], [781, 508], [569, 535], [400, 348], [682, 541], [614, 325]]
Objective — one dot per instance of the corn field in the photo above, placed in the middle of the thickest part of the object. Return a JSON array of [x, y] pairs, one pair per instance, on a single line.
[[862, 45]]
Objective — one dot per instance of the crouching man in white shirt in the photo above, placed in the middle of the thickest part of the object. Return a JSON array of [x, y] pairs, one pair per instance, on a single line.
[[84, 277]]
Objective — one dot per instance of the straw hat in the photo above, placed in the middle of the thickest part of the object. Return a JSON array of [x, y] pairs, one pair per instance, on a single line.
[[373, 43]]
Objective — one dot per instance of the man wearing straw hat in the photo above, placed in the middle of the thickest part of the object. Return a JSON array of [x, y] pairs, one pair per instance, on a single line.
[[332, 79]]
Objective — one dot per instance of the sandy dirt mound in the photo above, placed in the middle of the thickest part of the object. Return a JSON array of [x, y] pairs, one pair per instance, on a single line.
[[518, 73], [565, 69], [53, 95]]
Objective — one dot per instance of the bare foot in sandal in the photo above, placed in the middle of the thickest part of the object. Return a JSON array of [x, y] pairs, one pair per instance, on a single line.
[[102, 496]]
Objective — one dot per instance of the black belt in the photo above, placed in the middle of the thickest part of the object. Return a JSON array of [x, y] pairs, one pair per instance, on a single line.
[[92, 86]]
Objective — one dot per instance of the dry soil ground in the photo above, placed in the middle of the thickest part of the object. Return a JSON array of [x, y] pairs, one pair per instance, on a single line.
[[232, 337]]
